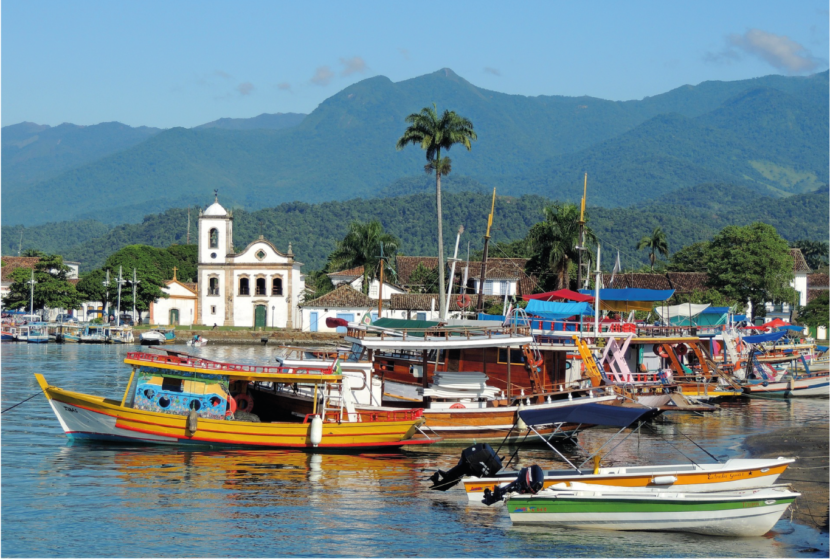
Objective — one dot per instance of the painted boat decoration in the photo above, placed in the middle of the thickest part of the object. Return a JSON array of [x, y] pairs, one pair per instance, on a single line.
[[725, 513], [176, 399]]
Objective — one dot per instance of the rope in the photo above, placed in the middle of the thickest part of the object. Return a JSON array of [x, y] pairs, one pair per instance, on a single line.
[[23, 402]]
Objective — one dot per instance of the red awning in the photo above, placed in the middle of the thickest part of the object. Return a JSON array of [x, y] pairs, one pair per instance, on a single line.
[[777, 323], [562, 294], [764, 327]]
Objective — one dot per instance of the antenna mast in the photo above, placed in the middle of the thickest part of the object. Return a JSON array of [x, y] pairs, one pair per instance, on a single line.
[[581, 243], [480, 303]]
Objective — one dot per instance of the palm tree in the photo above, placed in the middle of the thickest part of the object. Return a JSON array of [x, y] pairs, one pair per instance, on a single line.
[[554, 241], [655, 243], [361, 247], [434, 133]]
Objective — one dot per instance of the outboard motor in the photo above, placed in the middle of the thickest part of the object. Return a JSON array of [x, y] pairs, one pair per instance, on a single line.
[[479, 460], [530, 480]]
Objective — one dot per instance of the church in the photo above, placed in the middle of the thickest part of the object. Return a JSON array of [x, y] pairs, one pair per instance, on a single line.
[[259, 286]]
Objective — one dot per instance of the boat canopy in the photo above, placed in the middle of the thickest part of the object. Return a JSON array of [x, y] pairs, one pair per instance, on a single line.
[[761, 338], [586, 414], [777, 323], [565, 294], [557, 311], [630, 299], [685, 310], [401, 324], [793, 328], [715, 310]]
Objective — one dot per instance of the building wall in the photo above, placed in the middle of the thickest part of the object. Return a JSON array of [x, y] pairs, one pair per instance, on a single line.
[[324, 313]]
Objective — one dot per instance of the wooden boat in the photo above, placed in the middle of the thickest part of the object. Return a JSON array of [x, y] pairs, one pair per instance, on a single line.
[[8, 333], [792, 386], [174, 399], [69, 333], [744, 513], [33, 333], [119, 334], [94, 334]]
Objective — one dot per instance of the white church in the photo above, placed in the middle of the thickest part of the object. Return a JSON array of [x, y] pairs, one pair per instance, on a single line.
[[259, 286]]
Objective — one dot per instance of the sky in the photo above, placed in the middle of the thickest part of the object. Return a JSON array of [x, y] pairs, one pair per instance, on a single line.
[[186, 62]]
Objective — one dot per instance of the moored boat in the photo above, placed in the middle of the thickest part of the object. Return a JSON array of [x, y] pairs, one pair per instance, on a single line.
[[152, 337]]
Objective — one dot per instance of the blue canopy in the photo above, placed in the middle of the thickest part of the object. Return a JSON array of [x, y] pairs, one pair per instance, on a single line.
[[588, 414], [822, 347], [557, 311], [631, 294], [715, 310], [483, 316], [792, 328], [761, 338], [739, 318]]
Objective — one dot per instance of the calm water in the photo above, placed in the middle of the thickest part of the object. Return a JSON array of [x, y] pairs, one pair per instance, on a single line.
[[70, 500]]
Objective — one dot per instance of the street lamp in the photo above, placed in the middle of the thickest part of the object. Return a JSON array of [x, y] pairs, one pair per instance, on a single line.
[[272, 316]]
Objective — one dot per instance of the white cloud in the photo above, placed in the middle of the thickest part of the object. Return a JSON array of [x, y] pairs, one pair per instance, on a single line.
[[322, 76], [778, 51], [353, 65], [494, 71], [245, 88]]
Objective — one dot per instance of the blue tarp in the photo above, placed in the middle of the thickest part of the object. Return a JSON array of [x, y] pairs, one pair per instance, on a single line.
[[822, 347], [482, 316], [761, 338], [715, 310], [557, 311], [588, 414], [739, 318], [631, 294], [792, 328]]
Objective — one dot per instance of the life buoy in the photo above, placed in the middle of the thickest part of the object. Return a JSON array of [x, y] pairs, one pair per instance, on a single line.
[[244, 402], [681, 349], [231, 406], [458, 406], [658, 350], [463, 300]]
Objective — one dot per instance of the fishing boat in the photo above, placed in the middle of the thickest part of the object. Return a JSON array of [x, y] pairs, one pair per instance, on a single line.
[[8, 333], [176, 399], [94, 334], [153, 337], [751, 512], [119, 334], [69, 333], [35, 333]]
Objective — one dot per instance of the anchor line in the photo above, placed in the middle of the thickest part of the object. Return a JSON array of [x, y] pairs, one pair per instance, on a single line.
[[17, 404]]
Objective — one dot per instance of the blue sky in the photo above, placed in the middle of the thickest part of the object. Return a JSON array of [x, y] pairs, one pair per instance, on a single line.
[[184, 63]]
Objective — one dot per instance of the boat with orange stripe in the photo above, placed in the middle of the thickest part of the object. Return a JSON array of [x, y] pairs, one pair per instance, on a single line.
[[180, 399]]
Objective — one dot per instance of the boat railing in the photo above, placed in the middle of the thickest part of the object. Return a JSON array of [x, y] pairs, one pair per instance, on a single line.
[[437, 333], [231, 368], [369, 416]]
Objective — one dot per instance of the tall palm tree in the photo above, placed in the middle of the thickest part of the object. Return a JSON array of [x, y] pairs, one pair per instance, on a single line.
[[554, 241], [655, 243], [361, 247], [434, 133]]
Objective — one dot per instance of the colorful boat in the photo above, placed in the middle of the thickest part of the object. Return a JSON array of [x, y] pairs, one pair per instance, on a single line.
[[180, 400], [725, 513], [33, 333], [94, 334], [8, 333]]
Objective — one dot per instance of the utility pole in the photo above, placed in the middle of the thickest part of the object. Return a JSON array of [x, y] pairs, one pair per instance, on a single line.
[[20, 244], [596, 296], [581, 246], [188, 225], [32, 283], [480, 303], [380, 287], [106, 283], [452, 272], [121, 281], [135, 284]]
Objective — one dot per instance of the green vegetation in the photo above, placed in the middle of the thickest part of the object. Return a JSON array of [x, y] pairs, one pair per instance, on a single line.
[[423, 279], [552, 243], [52, 290], [751, 263], [817, 311], [433, 133], [655, 243], [362, 246], [816, 253]]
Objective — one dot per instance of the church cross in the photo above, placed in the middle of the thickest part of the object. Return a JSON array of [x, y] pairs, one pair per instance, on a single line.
[[174, 273]]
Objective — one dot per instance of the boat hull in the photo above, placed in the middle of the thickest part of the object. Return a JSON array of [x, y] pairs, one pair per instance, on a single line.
[[816, 387], [735, 474], [91, 417], [736, 514]]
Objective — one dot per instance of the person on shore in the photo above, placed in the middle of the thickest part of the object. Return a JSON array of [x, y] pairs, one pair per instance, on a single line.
[[214, 326]]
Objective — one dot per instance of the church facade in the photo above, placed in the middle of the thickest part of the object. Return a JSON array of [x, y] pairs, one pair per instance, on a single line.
[[258, 286]]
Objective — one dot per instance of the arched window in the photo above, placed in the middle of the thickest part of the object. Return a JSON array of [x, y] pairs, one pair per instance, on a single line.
[[260, 286], [213, 288], [276, 287], [244, 288], [214, 238]]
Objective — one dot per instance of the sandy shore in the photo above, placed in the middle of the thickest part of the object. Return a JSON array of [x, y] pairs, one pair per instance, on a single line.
[[809, 475]]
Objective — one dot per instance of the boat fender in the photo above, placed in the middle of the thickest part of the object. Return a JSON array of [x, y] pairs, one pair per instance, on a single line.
[[463, 300], [458, 406], [597, 459], [231, 407], [315, 432], [520, 424], [681, 349], [663, 480], [244, 402], [192, 423]]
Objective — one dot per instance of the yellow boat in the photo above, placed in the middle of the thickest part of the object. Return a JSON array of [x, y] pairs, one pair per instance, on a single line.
[[179, 399]]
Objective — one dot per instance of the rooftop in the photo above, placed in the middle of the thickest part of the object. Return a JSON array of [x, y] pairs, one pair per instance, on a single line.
[[344, 297]]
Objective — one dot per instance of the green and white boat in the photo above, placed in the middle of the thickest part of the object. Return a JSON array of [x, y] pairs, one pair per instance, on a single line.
[[725, 513]]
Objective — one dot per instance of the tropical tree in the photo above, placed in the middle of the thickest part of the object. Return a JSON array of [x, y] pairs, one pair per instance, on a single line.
[[691, 258], [816, 253], [52, 290], [816, 312], [655, 243], [361, 247], [751, 263], [553, 243], [426, 279], [433, 133], [33, 252]]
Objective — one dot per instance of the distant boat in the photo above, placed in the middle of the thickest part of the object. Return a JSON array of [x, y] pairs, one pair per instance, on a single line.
[[94, 334], [33, 333], [120, 334], [152, 337], [8, 333]]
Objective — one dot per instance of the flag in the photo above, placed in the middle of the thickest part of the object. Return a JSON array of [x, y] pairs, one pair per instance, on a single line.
[[617, 268]]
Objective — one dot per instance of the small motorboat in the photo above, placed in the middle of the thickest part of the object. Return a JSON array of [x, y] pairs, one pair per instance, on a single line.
[[152, 337], [197, 341]]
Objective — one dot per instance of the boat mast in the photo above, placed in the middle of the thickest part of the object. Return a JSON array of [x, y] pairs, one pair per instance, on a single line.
[[480, 303], [581, 245], [380, 287], [32, 283], [452, 272], [135, 284], [106, 283], [121, 281], [596, 296]]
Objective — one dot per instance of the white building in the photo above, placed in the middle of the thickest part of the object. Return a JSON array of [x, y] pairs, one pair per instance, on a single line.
[[258, 286], [179, 308], [800, 270], [344, 302]]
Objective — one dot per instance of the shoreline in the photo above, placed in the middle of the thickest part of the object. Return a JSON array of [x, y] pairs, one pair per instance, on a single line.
[[809, 475]]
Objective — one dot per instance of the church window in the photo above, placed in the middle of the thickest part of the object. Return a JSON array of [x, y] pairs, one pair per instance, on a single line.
[[214, 238], [213, 288], [244, 288], [213, 309], [276, 287], [260, 286], [260, 254]]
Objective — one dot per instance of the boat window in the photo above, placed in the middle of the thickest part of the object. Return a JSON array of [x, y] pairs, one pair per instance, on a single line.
[[171, 384], [515, 356], [164, 401], [195, 404], [214, 238], [244, 288], [276, 287]]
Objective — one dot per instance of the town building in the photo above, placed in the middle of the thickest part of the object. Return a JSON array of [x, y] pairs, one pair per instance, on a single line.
[[258, 286], [180, 307], [345, 302]]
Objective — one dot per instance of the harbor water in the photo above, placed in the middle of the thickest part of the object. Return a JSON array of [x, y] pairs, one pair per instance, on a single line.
[[64, 499]]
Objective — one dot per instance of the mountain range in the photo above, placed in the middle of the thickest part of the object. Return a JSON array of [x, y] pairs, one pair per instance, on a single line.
[[767, 136]]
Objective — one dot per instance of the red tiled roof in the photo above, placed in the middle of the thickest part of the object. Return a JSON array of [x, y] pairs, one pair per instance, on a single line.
[[814, 292], [423, 301], [681, 282], [800, 264], [818, 281], [354, 272], [11, 263], [406, 265], [686, 282], [344, 297]]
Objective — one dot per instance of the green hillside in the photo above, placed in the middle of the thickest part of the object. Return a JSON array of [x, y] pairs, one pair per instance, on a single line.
[[687, 216], [634, 150]]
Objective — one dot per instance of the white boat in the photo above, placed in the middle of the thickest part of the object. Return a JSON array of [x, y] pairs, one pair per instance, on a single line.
[[120, 334], [197, 341], [152, 337], [751, 512], [33, 333], [94, 334]]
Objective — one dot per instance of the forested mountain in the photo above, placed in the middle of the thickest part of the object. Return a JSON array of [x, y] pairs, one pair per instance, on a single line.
[[634, 150], [33, 152], [276, 121], [687, 215]]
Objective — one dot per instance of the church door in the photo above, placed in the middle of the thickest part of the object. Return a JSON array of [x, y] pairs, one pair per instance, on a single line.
[[174, 317], [260, 316]]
